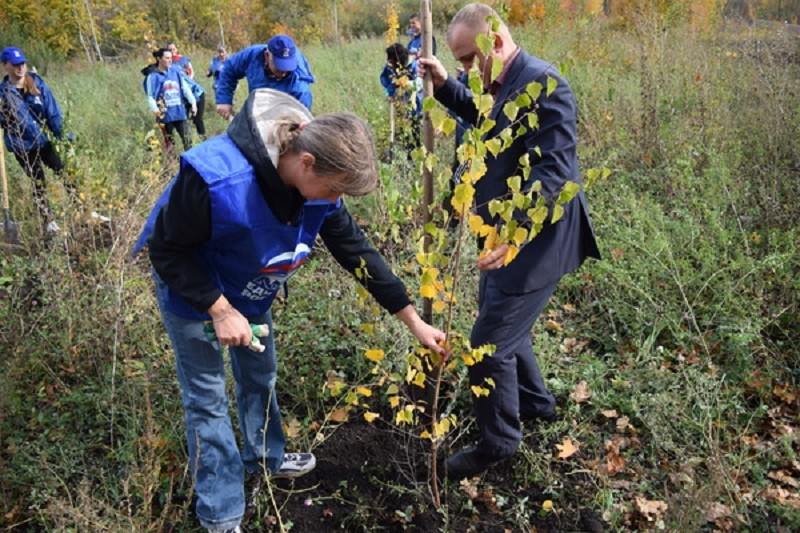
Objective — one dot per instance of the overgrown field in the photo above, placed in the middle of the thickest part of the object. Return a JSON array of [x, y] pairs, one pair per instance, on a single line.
[[675, 359]]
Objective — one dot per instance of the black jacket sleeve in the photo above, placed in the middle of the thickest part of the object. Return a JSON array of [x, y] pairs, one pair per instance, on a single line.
[[457, 97], [349, 246], [183, 225]]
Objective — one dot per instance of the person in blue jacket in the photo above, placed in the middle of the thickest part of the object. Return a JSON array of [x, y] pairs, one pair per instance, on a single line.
[[239, 219], [415, 32], [400, 80], [166, 90], [216, 66], [200, 99], [276, 65], [181, 61], [28, 110]]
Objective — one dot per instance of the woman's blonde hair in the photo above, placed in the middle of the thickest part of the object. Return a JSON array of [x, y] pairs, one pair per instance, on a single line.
[[343, 149]]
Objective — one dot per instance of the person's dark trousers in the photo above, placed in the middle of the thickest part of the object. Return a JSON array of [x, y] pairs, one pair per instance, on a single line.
[[198, 118], [505, 320], [183, 131], [33, 163]]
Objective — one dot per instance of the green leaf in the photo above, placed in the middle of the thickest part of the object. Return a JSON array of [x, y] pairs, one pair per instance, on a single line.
[[494, 22], [552, 84], [494, 146], [514, 183], [497, 68], [431, 228], [511, 109], [487, 125], [538, 214], [538, 151], [474, 81], [568, 192], [485, 43], [448, 126], [523, 100], [495, 207], [534, 89], [438, 116], [533, 120], [485, 103], [520, 200], [537, 186], [525, 160], [558, 212], [428, 103]]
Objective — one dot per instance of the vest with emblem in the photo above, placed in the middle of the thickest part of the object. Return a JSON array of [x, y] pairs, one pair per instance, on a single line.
[[250, 254]]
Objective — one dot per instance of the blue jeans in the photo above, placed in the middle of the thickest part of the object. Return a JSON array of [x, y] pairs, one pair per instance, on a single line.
[[218, 468]]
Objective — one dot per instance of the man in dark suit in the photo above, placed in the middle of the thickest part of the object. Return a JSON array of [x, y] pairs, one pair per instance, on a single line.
[[511, 297]]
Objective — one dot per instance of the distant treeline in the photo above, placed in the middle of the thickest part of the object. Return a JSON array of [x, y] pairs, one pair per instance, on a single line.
[[103, 29]]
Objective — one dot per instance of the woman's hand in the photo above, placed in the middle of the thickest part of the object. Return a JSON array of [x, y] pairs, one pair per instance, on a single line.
[[494, 259], [231, 327], [429, 336]]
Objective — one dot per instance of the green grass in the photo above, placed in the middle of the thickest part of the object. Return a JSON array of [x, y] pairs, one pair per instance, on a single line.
[[691, 318]]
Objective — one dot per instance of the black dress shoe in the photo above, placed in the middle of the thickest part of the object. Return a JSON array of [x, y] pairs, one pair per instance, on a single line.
[[466, 463]]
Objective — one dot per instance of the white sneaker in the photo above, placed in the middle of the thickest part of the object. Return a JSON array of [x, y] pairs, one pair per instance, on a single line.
[[52, 227], [295, 465]]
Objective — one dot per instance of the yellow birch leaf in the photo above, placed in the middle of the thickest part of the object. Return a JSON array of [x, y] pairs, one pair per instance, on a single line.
[[392, 389], [428, 291], [520, 235], [374, 355], [419, 379], [511, 254], [394, 401], [479, 391], [439, 306], [425, 434], [364, 391], [370, 417], [368, 328], [475, 224]]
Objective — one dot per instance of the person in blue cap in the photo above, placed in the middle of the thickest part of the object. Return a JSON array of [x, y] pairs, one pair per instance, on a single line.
[[216, 66], [415, 32], [28, 110], [276, 65], [167, 89]]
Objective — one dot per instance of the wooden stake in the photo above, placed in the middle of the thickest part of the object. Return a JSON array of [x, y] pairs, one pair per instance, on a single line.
[[427, 131]]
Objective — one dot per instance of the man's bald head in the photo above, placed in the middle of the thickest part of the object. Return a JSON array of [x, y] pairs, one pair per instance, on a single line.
[[473, 17], [470, 21]]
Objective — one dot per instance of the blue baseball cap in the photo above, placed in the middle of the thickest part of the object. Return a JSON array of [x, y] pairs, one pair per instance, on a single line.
[[12, 55], [284, 52]]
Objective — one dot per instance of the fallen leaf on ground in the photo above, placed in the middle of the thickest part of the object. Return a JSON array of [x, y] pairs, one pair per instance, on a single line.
[[470, 488], [339, 415], [622, 423], [782, 496], [566, 449], [782, 477], [581, 393], [610, 413], [552, 325], [651, 509], [615, 463], [716, 511], [292, 428]]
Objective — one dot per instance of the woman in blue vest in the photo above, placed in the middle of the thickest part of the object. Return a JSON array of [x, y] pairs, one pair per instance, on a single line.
[[27, 111], [238, 220], [216, 65], [166, 90]]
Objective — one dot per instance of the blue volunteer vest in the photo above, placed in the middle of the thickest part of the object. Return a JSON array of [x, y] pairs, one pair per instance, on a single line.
[[171, 93], [251, 253]]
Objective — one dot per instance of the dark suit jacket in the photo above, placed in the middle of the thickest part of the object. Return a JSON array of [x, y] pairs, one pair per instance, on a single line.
[[561, 247]]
